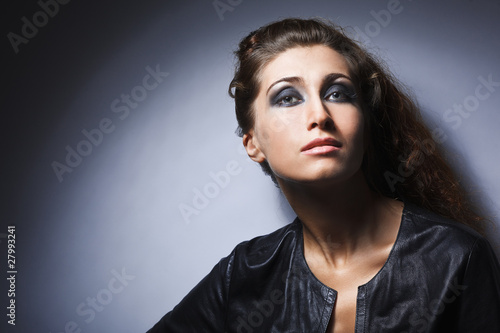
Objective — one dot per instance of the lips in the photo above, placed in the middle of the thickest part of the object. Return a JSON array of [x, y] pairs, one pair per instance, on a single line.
[[321, 146]]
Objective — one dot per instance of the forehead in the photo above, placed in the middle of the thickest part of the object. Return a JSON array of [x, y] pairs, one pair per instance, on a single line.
[[305, 62]]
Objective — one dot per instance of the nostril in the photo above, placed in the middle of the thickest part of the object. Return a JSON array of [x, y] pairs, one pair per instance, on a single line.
[[329, 123], [319, 116], [326, 123]]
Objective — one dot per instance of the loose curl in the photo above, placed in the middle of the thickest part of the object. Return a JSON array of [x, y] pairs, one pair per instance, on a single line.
[[401, 158]]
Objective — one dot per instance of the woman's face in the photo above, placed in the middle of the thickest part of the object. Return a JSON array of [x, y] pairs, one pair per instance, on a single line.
[[308, 123]]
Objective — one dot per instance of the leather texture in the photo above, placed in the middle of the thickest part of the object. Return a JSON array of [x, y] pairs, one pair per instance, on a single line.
[[440, 276]]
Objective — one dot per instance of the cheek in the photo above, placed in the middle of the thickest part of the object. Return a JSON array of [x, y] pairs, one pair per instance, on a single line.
[[353, 131], [274, 129], [360, 136], [351, 123], [264, 136]]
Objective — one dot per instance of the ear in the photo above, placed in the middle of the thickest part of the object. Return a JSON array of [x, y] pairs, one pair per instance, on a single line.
[[252, 147]]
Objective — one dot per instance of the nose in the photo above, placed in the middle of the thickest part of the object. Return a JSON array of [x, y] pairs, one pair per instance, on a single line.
[[318, 115]]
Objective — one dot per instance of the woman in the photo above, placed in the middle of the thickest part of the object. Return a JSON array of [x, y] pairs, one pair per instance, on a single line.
[[381, 242]]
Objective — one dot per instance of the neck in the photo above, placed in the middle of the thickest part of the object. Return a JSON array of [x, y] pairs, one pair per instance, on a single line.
[[342, 220]]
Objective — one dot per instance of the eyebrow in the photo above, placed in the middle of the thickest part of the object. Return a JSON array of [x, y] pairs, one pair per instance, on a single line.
[[291, 79], [296, 79], [335, 76]]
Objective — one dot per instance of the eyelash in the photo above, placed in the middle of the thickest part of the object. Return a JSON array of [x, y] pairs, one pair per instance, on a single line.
[[288, 92], [347, 95]]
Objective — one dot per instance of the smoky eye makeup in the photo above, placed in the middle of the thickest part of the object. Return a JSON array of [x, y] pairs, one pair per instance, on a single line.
[[287, 96], [338, 89], [339, 92]]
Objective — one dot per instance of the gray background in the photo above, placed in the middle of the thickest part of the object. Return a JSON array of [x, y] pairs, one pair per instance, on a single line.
[[119, 209]]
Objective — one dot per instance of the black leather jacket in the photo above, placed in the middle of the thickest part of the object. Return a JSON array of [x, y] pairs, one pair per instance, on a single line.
[[439, 277]]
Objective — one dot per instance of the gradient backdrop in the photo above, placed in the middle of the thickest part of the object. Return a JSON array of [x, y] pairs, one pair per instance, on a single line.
[[101, 157]]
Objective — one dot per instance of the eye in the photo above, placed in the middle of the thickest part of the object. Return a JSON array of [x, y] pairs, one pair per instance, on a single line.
[[286, 97], [339, 93], [288, 100]]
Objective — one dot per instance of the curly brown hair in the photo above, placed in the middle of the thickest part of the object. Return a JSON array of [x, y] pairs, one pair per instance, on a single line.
[[401, 158]]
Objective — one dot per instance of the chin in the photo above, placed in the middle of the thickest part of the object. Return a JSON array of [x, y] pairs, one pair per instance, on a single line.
[[321, 179], [328, 173]]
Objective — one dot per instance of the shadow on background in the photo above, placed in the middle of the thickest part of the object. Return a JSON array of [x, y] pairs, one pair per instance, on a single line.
[[122, 172]]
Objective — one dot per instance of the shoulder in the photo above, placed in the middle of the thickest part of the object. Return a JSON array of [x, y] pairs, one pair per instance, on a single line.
[[435, 229], [262, 248], [433, 240]]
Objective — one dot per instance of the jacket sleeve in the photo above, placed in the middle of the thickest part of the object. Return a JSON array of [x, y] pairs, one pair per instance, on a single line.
[[480, 299], [204, 308]]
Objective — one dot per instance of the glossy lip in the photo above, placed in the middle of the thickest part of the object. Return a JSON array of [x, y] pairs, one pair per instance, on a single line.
[[321, 146]]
